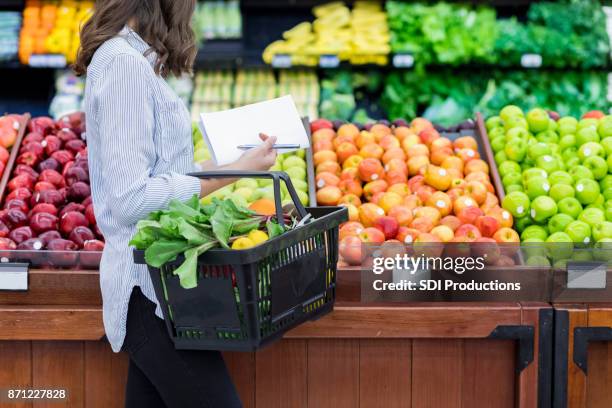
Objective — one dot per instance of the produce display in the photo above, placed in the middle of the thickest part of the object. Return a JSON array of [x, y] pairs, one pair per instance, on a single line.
[[52, 27], [258, 194], [557, 174], [192, 228], [47, 203], [342, 89], [219, 19], [10, 23], [360, 36], [9, 130], [220, 90], [569, 33], [406, 183], [446, 97]]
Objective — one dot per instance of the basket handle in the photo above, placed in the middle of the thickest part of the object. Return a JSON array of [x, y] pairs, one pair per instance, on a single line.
[[276, 177]]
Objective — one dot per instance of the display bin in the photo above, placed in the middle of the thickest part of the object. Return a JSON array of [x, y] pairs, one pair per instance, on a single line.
[[583, 355], [246, 299]]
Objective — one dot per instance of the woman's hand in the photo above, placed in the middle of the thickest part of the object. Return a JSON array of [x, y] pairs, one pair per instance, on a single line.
[[260, 158]]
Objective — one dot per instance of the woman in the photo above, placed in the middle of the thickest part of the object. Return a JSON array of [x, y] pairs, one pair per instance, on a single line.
[[140, 150]]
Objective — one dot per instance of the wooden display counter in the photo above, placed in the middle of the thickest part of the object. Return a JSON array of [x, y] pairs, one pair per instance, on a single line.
[[361, 355], [583, 355]]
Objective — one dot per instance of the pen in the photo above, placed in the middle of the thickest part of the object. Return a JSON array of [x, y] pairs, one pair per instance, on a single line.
[[276, 146]]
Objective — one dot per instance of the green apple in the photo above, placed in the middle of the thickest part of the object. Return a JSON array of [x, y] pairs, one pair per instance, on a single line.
[[514, 187], [588, 122], [605, 127], [591, 149], [508, 167], [597, 165], [516, 150], [264, 182], [548, 136], [602, 230], [538, 120], [587, 134], [534, 231], [559, 191], [569, 153], [498, 144], [517, 203], [567, 125], [573, 162], [517, 133], [536, 187], [538, 149], [510, 111], [560, 265], [598, 203], [538, 260], [570, 206], [498, 132], [567, 141], [514, 122], [500, 157], [245, 192], [533, 173], [609, 161], [521, 223], [303, 196], [580, 173], [560, 246], [552, 124], [301, 153], [606, 143], [558, 222], [533, 247], [560, 177], [512, 178], [592, 216], [587, 191], [607, 193], [542, 208], [603, 250], [296, 173], [582, 256], [493, 122], [238, 199], [300, 185], [606, 182], [579, 231], [548, 163], [246, 182], [293, 161]]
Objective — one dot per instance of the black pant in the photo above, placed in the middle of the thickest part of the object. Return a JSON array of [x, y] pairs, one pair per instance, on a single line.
[[161, 376]]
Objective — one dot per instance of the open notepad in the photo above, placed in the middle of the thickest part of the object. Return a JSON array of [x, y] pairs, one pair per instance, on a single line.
[[224, 131]]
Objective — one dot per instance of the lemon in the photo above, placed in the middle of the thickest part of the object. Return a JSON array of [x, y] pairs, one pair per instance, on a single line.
[[258, 236], [243, 243]]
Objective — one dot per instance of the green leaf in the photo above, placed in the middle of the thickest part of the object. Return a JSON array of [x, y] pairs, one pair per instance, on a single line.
[[178, 209], [144, 238], [244, 226], [274, 229], [187, 272], [163, 251], [221, 226], [193, 235]]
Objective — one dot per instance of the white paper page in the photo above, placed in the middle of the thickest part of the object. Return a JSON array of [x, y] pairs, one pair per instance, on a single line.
[[225, 130]]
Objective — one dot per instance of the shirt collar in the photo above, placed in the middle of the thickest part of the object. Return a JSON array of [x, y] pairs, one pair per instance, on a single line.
[[138, 44]]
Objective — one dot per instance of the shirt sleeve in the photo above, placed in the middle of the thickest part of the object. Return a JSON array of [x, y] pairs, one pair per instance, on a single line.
[[126, 123]]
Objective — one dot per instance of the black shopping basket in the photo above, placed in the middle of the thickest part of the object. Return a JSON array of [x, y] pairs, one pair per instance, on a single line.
[[248, 298]]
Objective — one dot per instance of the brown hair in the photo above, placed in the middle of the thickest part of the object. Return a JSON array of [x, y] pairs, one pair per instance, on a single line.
[[164, 24]]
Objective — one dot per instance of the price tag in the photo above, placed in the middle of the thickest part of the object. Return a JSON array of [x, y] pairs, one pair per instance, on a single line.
[[13, 276], [531, 60], [403, 60], [329, 61], [48, 61], [281, 61], [586, 275]]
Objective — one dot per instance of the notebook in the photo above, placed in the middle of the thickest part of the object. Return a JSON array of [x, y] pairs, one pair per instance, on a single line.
[[224, 131]]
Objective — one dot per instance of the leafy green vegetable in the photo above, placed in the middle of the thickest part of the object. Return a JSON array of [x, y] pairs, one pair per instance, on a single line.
[[191, 229]]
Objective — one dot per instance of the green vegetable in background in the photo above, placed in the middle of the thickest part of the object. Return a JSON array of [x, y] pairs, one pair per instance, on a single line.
[[192, 229]]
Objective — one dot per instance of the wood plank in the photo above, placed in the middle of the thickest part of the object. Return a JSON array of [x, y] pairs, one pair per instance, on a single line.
[[333, 373], [16, 368], [242, 369], [51, 323], [528, 380], [600, 375], [576, 380], [409, 322], [437, 367], [385, 373], [489, 376], [600, 316], [57, 287], [59, 365], [105, 376], [280, 375]]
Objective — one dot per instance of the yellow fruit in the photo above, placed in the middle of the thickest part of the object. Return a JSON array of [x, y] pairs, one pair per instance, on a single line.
[[257, 237], [243, 243]]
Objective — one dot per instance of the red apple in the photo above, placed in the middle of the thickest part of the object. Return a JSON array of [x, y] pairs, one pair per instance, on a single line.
[[388, 225]]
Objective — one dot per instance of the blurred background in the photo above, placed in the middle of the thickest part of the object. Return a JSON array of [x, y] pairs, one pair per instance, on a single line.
[[351, 60]]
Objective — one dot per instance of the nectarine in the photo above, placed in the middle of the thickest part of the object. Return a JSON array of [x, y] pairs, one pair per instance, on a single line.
[[395, 177], [488, 225], [399, 188], [329, 166], [368, 213], [463, 202], [350, 199], [467, 154], [465, 142], [349, 130], [438, 156], [469, 231], [323, 134], [393, 153], [323, 156], [379, 130], [407, 235], [477, 191], [350, 228], [453, 162], [431, 213], [323, 144], [390, 200], [402, 214], [451, 222], [326, 178], [350, 173], [370, 169], [352, 161], [410, 141], [444, 233], [353, 211], [476, 165], [441, 202], [364, 138], [418, 149], [412, 201], [371, 150], [397, 165], [329, 196], [422, 224], [350, 250], [437, 177], [424, 192], [346, 150], [389, 142], [469, 215], [373, 187], [351, 186]]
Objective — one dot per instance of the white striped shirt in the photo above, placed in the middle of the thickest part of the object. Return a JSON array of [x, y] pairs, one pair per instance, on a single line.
[[140, 148]]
